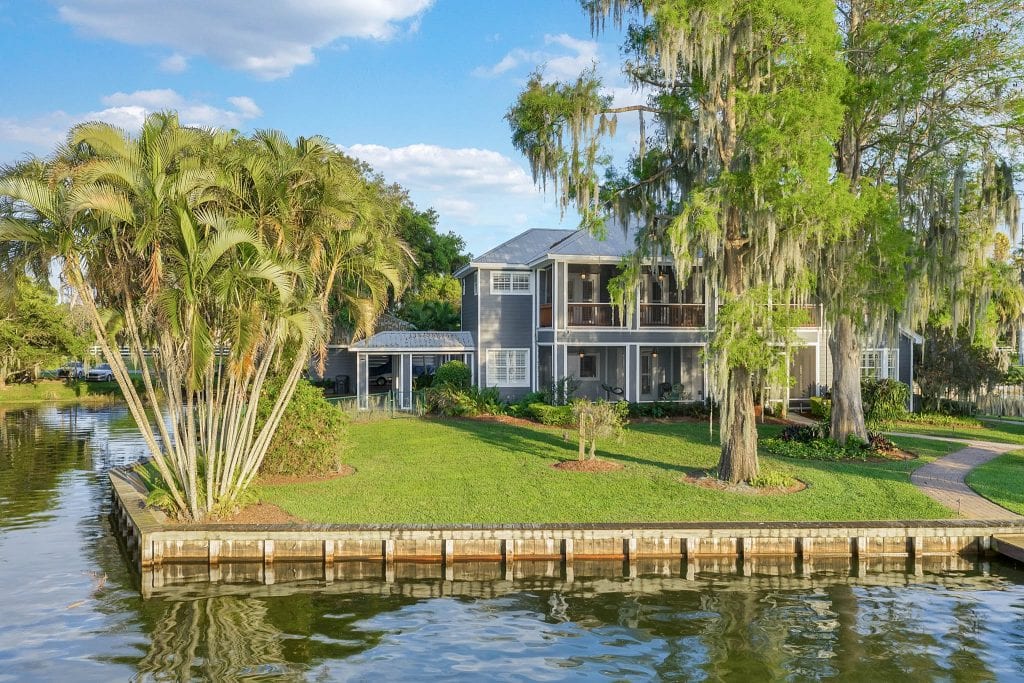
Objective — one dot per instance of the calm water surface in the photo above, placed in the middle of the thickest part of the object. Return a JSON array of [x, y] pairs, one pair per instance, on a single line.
[[70, 607]]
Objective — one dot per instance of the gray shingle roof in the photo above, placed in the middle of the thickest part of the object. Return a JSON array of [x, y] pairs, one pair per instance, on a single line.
[[616, 243], [524, 247], [415, 340]]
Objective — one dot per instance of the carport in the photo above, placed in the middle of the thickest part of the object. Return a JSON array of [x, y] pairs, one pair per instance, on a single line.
[[397, 357]]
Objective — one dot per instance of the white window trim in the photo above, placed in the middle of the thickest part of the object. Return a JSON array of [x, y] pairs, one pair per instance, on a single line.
[[512, 275], [492, 367]]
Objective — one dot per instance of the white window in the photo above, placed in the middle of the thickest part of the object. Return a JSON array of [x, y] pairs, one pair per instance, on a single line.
[[870, 364], [510, 282], [879, 364], [508, 367]]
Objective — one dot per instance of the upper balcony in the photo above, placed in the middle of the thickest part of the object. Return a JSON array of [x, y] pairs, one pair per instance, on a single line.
[[584, 299]]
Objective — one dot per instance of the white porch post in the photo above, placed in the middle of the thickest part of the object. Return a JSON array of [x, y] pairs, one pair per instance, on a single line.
[[362, 380]]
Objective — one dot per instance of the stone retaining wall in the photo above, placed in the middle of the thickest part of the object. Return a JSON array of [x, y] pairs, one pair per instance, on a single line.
[[397, 551]]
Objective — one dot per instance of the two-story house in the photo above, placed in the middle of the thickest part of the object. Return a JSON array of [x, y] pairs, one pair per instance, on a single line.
[[538, 308]]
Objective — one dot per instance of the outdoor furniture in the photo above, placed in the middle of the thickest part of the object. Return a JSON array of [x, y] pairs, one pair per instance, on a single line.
[[609, 390]]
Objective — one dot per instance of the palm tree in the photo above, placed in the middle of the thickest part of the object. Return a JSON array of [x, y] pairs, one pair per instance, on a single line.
[[223, 255]]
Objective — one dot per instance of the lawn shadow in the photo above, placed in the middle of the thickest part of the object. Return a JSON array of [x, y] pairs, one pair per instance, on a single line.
[[554, 443], [540, 441]]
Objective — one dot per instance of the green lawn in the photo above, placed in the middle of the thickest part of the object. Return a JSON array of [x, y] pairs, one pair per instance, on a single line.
[[48, 390], [1002, 432], [1001, 480], [431, 471]]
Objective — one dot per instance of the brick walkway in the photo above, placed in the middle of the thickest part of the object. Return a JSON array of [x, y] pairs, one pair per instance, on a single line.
[[944, 479]]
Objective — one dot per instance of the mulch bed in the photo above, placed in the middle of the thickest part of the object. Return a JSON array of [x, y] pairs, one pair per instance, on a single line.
[[714, 484], [587, 466], [275, 479], [260, 513], [891, 455]]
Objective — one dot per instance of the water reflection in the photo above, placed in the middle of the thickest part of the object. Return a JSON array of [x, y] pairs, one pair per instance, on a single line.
[[71, 610]]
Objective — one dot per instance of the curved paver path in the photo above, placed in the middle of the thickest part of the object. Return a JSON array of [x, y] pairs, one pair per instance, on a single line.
[[944, 480]]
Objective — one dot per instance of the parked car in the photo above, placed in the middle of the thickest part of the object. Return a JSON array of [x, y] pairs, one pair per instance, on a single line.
[[100, 373], [380, 374], [73, 370]]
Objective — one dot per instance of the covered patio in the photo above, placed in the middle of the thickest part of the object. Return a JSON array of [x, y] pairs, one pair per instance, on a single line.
[[390, 362]]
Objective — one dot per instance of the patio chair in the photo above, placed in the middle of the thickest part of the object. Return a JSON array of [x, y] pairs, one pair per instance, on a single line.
[[609, 390]]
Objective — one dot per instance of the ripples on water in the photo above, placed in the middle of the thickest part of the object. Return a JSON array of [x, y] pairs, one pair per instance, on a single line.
[[70, 608]]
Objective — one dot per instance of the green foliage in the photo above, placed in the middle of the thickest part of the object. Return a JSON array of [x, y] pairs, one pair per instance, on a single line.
[[952, 365], [885, 400], [430, 314], [941, 420], [436, 253], [35, 331], [454, 374], [817, 449], [1014, 375], [821, 408], [434, 304], [767, 478], [756, 332], [521, 407], [661, 409], [450, 401], [558, 416], [312, 436], [562, 391], [596, 420]]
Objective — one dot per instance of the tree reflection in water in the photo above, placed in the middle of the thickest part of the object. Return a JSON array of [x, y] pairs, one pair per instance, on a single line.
[[223, 638]]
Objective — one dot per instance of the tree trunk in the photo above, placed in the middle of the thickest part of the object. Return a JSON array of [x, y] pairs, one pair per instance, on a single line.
[[583, 449], [847, 409], [739, 439]]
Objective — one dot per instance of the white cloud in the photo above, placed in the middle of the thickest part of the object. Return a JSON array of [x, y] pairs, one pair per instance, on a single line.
[[481, 194], [175, 64], [267, 38], [557, 64], [443, 169], [126, 110]]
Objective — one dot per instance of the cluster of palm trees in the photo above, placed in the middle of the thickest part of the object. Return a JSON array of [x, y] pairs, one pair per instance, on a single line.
[[223, 259]]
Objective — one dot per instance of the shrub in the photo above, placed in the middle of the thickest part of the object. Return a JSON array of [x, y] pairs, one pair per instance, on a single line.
[[804, 433], [660, 409], [821, 408], [521, 408], [940, 420], [595, 420], [310, 439], [454, 374], [450, 401], [817, 449], [881, 443], [885, 400], [559, 416], [562, 391], [771, 478], [424, 381]]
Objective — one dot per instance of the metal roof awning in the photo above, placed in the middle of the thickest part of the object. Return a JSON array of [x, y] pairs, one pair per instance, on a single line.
[[416, 341]]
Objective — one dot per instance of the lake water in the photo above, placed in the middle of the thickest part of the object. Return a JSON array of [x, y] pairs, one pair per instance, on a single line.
[[70, 606]]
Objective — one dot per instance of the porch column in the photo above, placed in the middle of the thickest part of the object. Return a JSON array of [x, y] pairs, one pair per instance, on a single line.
[[405, 401], [632, 372], [362, 380]]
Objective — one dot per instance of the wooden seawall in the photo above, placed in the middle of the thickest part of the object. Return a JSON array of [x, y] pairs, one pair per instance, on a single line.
[[387, 551]]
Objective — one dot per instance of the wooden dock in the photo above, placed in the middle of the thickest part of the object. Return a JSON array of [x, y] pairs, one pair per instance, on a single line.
[[1010, 545]]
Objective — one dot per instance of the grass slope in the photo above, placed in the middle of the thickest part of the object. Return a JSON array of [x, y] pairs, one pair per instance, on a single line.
[[48, 390], [1001, 432], [432, 471], [1001, 480]]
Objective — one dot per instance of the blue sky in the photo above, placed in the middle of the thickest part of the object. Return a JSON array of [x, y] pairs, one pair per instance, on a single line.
[[418, 88]]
